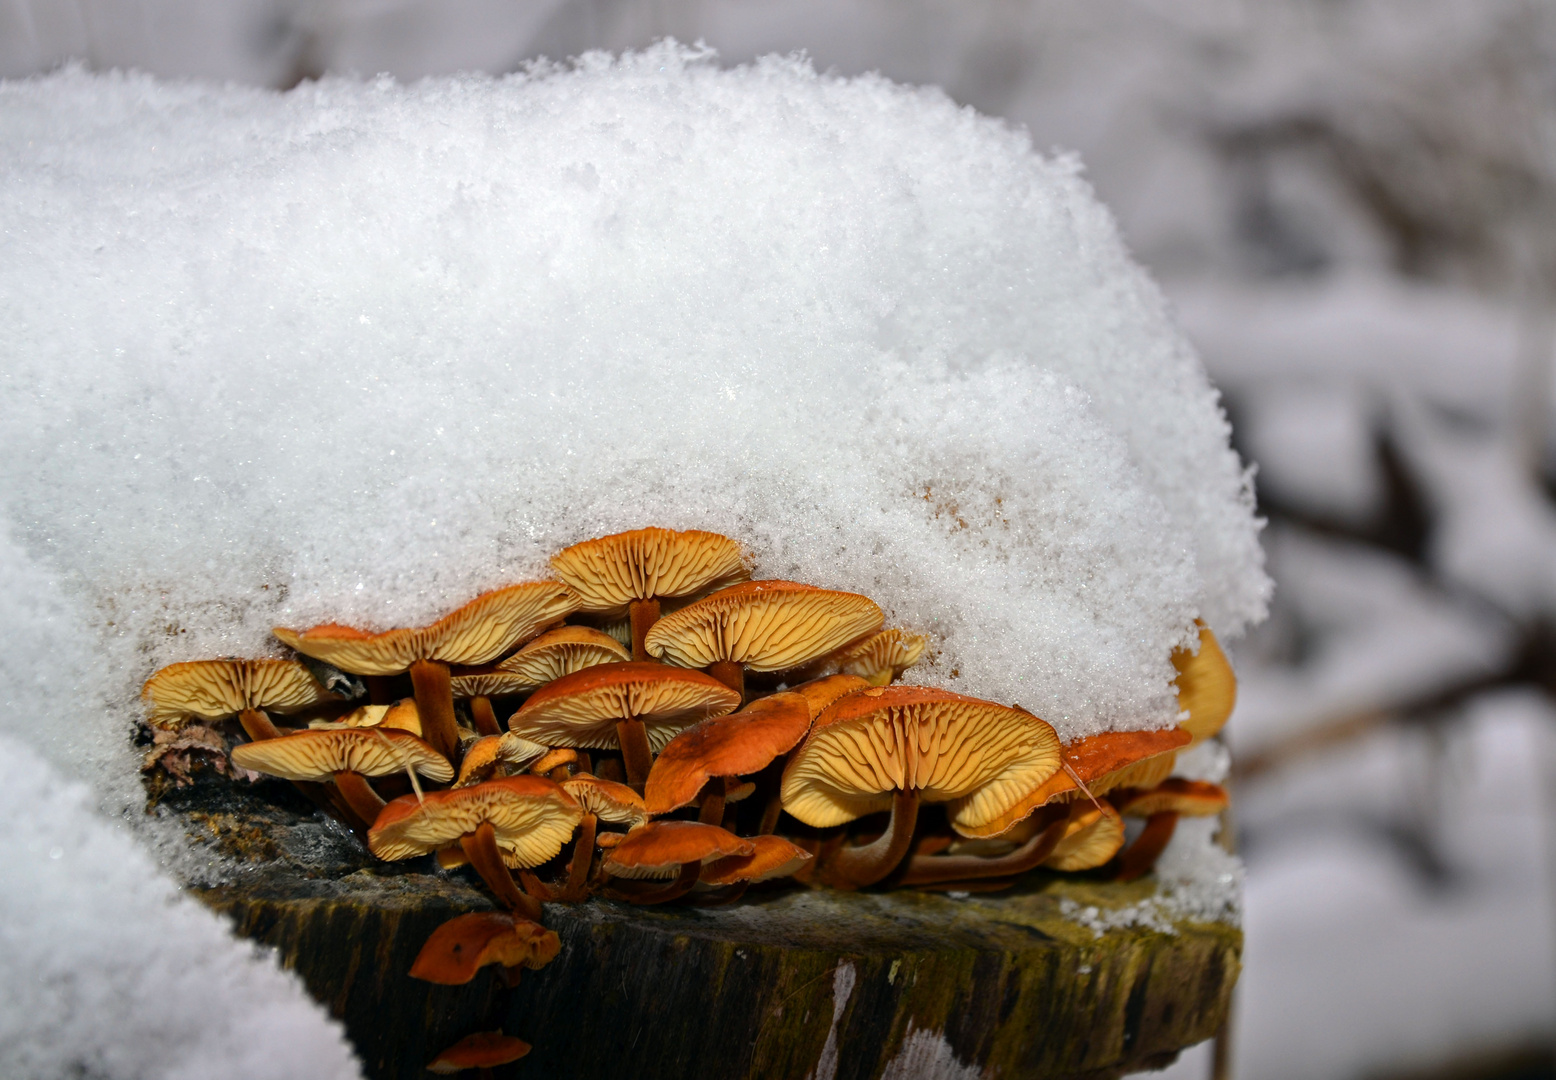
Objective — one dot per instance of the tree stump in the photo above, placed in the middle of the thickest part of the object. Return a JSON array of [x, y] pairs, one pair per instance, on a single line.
[[789, 983]]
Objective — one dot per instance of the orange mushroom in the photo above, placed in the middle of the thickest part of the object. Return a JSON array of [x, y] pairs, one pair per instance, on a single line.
[[882, 658], [663, 849], [466, 943], [763, 626], [1161, 806], [630, 572], [477, 633], [637, 707], [889, 747], [217, 689], [1207, 688], [514, 821], [709, 754], [553, 654], [484, 1050], [346, 756]]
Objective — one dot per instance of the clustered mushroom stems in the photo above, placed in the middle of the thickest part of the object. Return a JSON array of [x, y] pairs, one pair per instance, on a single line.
[[857, 866], [637, 893], [359, 795], [926, 869], [257, 725]]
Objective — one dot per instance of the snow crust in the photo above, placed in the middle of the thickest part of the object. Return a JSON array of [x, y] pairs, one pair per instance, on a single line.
[[359, 351], [107, 971]]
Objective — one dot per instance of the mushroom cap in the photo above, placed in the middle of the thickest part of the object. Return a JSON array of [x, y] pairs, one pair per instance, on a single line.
[[563, 651], [774, 857], [486, 755], [607, 800], [401, 716], [819, 694], [1092, 835], [1191, 798], [215, 689], [466, 943], [477, 633], [612, 571], [764, 625], [883, 657], [532, 816], [319, 755], [980, 757], [738, 744], [483, 1050], [582, 709], [1103, 762], [1207, 688], [659, 848]]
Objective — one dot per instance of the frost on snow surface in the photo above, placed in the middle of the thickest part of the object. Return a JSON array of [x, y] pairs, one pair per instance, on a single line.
[[359, 351]]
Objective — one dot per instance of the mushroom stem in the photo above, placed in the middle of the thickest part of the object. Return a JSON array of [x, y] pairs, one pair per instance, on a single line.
[[1148, 846], [258, 725], [485, 719], [633, 737], [712, 810], [535, 887], [935, 869], [583, 855], [731, 675], [359, 795], [644, 614], [663, 895], [856, 867], [480, 848], [435, 704]]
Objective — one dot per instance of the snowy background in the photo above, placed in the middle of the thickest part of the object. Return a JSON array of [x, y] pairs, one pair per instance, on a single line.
[[1352, 206]]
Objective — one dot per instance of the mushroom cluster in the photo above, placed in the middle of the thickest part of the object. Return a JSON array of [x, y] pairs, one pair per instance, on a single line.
[[678, 732]]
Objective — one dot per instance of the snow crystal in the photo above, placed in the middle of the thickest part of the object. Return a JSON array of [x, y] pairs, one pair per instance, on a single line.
[[106, 971], [359, 351]]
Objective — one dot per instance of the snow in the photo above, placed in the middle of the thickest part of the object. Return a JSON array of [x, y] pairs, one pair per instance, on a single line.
[[107, 971], [360, 351]]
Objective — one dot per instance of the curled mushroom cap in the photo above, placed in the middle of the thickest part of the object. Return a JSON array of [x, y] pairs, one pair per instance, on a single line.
[[477, 633], [1102, 762], [532, 817], [319, 755], [883, 657], [980, 757], [614, 803], [763, 625], [820, 694], [611, 572], [1092, 835], [487, 756], [215, 689], [1191, 798], [483, 1050], [466, 943], [660, 848], [774, 857], [582, 709], [1206, 687], [738, 744]]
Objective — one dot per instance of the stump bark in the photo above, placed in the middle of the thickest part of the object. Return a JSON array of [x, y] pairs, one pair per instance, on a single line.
[[788, 984]]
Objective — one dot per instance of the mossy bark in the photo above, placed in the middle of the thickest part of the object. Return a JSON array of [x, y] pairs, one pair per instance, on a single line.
[[795, 983]]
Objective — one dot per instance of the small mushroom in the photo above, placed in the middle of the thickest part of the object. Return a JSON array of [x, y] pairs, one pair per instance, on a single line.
[[711, 754], [602, 800], [496, 755], [663, 849], [514, 821], [889, 747], [630, 571], [400, 715], [637, 707], [773, 858], [1161, 806], [477, 633], [553, 654], [1207, 688], [484, 1050], [217, 689], [882, 658], [466, 943], [761, 626], [1092, 835], [347, 757]]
